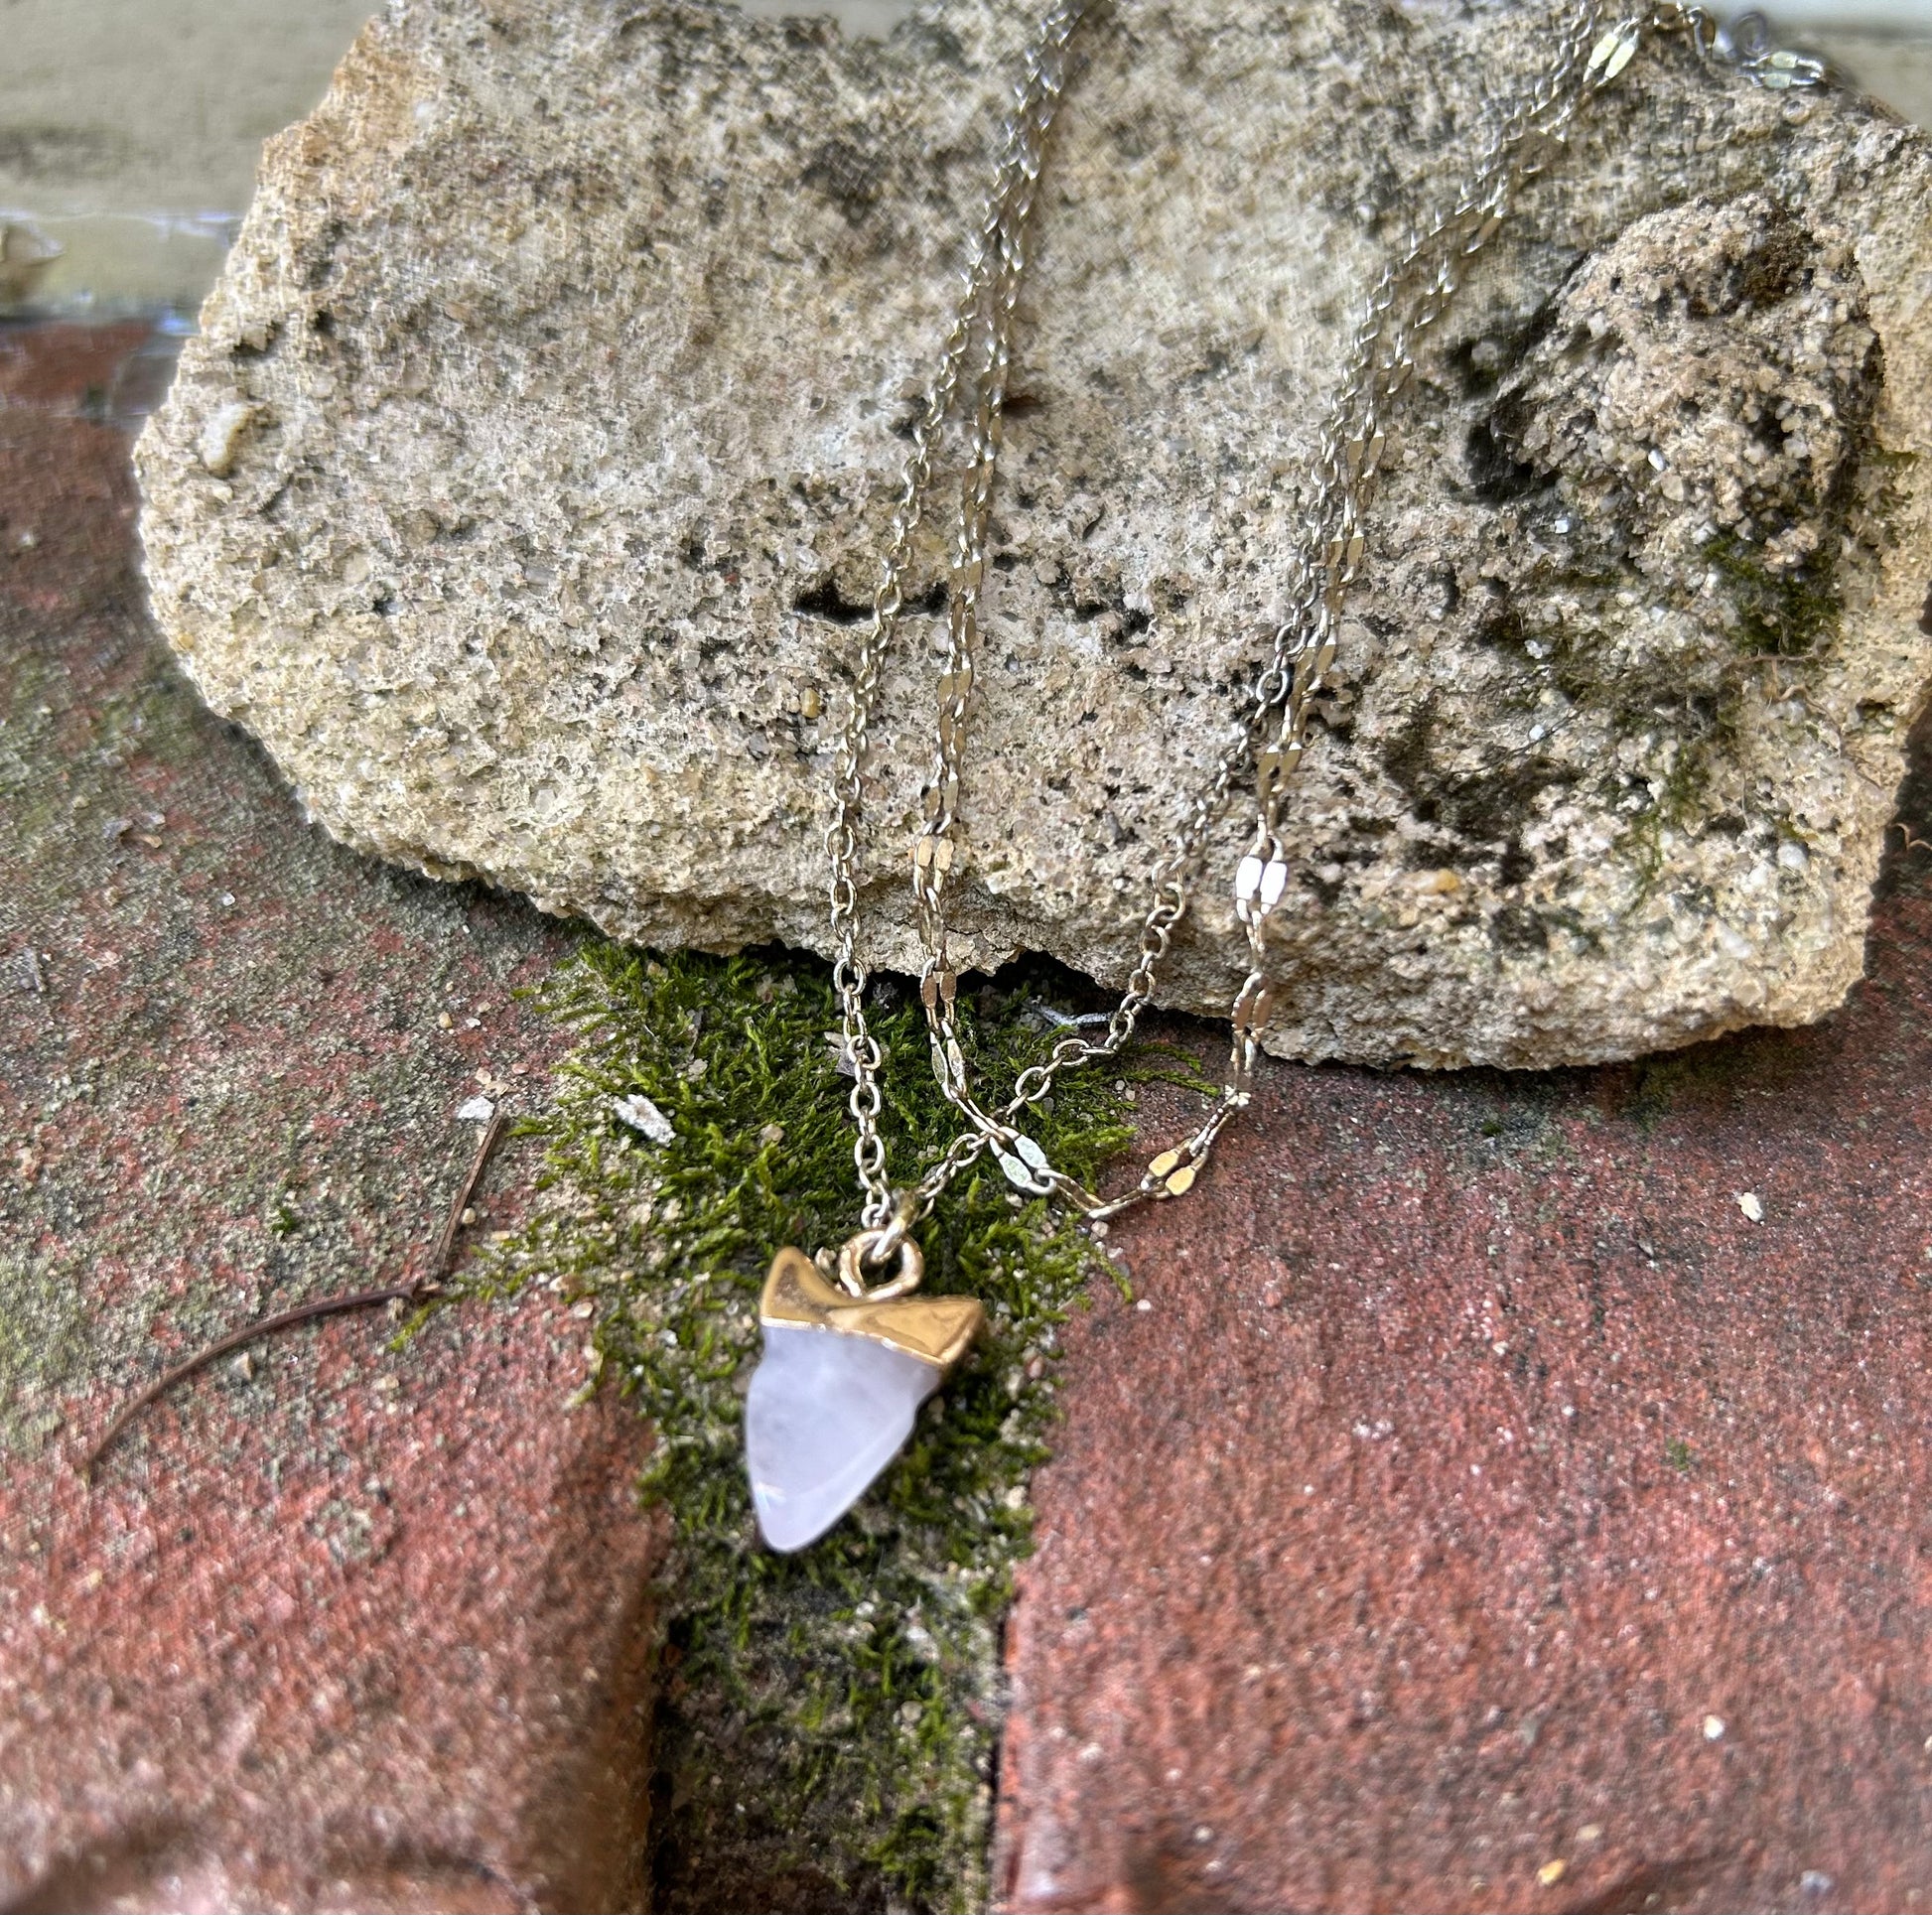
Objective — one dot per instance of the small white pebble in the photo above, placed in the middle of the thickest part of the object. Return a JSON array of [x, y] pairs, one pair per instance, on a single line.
[[476, 1110], [1144, 1304], [1749, 1203], [1590, 1832], [644, 1117], [1713, 1728], [221, 442]]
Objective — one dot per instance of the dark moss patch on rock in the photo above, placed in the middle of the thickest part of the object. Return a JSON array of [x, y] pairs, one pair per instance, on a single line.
[[828, 1720], [1679, 463], [1788, 613]]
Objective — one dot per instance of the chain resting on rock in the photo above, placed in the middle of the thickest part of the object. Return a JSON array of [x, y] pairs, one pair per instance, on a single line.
[[1520, 138]]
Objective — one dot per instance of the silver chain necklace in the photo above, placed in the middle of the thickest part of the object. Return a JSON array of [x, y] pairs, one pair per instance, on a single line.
[[848, 1354]]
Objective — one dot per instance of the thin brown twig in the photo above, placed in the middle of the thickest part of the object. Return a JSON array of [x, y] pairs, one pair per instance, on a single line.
[[267, 1325], [1911, 844], [445, 1243], [427, 1285]]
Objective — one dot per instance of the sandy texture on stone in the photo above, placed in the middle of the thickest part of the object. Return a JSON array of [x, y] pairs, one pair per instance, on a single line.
[[528, 480]]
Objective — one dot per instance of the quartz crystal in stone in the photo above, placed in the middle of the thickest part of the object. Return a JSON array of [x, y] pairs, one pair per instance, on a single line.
[[827, 1411]]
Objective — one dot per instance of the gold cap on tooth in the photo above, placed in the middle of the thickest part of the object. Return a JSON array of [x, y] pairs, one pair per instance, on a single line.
[[936, 1329]]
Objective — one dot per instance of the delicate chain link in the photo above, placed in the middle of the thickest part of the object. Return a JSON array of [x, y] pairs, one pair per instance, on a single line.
[[1519, 138], [1020, 140]]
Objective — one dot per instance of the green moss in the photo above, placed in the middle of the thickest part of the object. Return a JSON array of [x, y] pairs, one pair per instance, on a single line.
[[1679, 807], [1677, 1453], [828, 1720], [1783, 614]]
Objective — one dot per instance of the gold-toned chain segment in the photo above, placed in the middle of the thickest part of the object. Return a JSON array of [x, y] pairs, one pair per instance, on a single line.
[[1592, 48]]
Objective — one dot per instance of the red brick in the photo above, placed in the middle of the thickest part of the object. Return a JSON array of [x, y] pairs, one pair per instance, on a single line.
[[1475, 1450], [369, 1629]]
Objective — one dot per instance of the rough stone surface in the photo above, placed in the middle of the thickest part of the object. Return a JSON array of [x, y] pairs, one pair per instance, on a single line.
[[1493, 1510], [342, 1625], [529, 476]]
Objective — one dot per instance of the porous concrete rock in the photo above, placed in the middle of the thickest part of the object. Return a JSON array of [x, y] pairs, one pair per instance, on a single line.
[[526, 486]]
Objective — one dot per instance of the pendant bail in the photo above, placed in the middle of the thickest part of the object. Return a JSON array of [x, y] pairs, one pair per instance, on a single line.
[[875, 1247]]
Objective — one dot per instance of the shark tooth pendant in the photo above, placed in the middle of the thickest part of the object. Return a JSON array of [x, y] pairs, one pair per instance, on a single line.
[[842, 1376]]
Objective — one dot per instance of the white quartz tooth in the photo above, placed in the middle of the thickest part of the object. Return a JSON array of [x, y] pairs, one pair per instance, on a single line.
[[825, 1414]]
